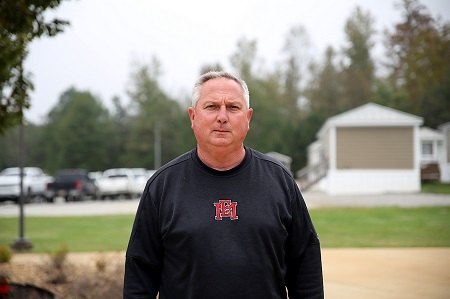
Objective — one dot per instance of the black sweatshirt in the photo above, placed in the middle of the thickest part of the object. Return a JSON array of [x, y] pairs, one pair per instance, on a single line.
[[241, 233]]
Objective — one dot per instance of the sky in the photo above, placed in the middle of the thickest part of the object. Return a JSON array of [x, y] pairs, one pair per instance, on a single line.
[[106, 38]]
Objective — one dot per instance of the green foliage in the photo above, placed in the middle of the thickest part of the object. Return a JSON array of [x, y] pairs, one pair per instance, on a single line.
[[21, 21], [305, 134], [56, 266], [154, 112], [418, 60], [77, 133], [58, 258], [5, 254], [101, 263], [33, 144], [243, 60], [324, 90], [359, 70]]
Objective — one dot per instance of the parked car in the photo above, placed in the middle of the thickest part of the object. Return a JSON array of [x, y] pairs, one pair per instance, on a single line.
[[95, 175], [117, 182], [140, 180], [34, 183], [72, 185]]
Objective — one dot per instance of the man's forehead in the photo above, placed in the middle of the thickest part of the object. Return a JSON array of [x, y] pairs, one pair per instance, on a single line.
[[221, 92]]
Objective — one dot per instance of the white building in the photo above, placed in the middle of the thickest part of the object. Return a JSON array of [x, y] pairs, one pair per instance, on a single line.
[[371, 149]]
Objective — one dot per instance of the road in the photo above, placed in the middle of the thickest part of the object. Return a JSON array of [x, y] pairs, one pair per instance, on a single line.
[[128, 206], [80, 208]]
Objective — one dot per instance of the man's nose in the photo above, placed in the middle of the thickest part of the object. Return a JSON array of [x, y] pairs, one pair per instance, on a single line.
[[223, 114]]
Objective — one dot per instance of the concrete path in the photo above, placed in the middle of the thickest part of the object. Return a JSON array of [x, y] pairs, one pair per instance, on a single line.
[[317, 199]]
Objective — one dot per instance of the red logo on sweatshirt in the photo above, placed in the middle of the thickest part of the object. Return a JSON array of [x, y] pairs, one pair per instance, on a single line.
[[226, 208]]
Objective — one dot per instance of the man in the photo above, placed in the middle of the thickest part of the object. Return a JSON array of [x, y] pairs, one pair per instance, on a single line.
[[223, 220]]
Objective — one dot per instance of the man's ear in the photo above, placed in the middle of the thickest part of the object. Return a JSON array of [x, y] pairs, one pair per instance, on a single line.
[[191, 112], [249, 114]]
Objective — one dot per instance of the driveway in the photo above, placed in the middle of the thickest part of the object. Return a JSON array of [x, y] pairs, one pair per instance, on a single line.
[[316, 199]]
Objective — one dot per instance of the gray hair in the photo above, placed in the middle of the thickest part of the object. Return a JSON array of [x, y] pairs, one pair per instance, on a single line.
[[214, 75]]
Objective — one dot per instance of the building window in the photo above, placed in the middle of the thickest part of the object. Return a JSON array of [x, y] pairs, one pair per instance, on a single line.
[[427, 149]]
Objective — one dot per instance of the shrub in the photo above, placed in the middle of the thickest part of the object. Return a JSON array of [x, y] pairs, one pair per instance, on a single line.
[[100, 264], [57, 265], [5, 254]]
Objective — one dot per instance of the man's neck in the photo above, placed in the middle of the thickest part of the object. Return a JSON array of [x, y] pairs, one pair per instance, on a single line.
[[221, 159]]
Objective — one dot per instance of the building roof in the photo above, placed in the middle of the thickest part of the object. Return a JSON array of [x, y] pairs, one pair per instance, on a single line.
[[430, 134], [280, 157], [444, 127], [371, 115]]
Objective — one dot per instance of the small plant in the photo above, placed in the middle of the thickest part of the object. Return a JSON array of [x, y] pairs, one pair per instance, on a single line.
[[5, 254], [57, 265], [100, 264], [59, 257]]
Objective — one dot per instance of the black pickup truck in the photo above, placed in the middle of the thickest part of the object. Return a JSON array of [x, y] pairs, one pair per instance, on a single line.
[[72, 185]]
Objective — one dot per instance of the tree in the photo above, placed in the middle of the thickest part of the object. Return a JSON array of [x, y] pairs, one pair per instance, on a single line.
[[120, 128], [21, 21], [264, 96], [243, 60], [77, 133], [418, 62], [324, 89], [154, 113], [358, 72]]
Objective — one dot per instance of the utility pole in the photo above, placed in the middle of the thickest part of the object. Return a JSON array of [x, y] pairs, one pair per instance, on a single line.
[[157, 145], [21, 243]]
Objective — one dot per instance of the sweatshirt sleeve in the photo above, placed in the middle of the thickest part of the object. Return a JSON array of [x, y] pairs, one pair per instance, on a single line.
[[143, 257], [304, 278]]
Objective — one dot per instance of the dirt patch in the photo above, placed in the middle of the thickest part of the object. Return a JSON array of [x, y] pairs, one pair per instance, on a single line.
[[408, 273], [348, 273], [83, 275]]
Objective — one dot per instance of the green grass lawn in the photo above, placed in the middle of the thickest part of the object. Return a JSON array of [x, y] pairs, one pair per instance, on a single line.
[[47, 234], [337, 227], [435, 187], [383, 227]]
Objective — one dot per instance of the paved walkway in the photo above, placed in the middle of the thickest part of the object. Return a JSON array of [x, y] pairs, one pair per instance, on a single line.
[[317, 199]]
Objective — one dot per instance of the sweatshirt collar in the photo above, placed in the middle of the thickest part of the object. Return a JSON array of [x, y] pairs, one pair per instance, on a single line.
[[235, 170]]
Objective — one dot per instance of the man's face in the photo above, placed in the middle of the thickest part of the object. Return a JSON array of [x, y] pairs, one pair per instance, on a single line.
[[220, 117]]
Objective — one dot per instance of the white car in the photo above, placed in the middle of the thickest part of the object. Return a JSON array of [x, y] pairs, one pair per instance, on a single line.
[[34, 183], [117, 182], [140, 180]]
